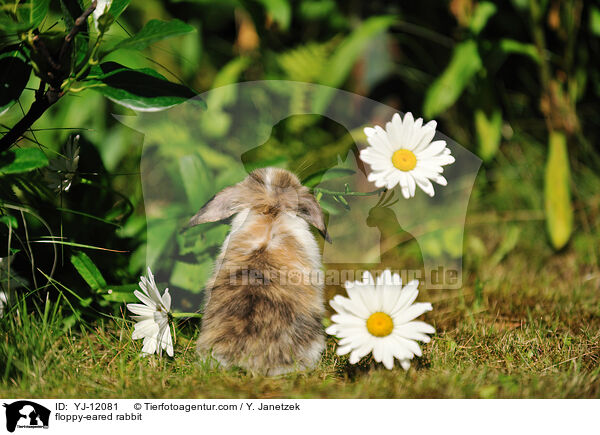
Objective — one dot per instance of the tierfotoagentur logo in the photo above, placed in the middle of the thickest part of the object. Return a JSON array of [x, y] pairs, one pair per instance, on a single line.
[[25, 414], [337, 277]]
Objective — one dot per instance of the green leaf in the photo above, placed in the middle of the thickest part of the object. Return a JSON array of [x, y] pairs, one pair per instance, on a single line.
[[39, 10], [14, 75], [109, 16], [54, 241], [521, 4], [88, 270], [483, 12], [114, 11], [160, 233], [154, 31], [28, 15], [117, 7], [9, 221], [595, 20], [18, 160], [344, 58], [197, 180], [221, 95], [229, 74], [317, 9], [120, 293], [510, 46], [557, 194], [446, 89], [329, 207], [512, 235], [191, 276], [305, 63], [432, 244], [336, 70], [325, 175], [453, 240], [197, 240], [143, 89], [340, 199], [280, 11], [489, 133]]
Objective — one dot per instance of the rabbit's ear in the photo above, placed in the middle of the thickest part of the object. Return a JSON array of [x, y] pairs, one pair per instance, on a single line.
[[310, 210], [221, 206]]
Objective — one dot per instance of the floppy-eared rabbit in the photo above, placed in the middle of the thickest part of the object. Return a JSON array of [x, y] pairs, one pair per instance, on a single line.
[[264, 301]]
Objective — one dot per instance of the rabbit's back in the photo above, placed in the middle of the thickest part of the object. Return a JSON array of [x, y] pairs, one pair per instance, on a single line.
[[265, 299]]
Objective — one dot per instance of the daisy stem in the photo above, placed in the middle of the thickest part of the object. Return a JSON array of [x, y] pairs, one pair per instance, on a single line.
[[182, 315], [317, 190]]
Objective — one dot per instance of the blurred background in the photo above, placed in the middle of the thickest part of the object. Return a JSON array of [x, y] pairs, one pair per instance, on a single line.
[[515, 82]]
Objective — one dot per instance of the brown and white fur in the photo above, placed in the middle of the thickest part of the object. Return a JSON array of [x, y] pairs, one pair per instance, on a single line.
[[264, 301]]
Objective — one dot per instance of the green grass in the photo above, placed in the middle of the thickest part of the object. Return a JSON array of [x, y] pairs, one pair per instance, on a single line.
[[531, 329]]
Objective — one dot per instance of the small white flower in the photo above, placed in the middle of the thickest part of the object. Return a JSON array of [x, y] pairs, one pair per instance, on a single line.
[[102, 6], [152, 317], [404, 154], [3, 303], [378, 317], [61, 170]]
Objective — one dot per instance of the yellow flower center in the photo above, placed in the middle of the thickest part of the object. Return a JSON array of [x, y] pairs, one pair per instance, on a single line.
[[380, 324], [404, 160]]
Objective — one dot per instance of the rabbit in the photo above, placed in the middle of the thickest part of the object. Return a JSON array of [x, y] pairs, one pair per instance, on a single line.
[[264, 300]]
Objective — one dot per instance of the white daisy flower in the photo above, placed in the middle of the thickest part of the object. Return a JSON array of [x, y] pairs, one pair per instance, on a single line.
[[378, 317], [152, 317], [404, 154]]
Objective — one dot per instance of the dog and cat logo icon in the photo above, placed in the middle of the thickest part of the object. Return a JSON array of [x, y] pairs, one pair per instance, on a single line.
[[25, 414]]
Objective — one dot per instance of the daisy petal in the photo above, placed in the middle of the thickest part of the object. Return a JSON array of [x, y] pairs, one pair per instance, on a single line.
[[332, 330], [378, 350], [388, 360], [145, 328], [441, 180], [166, 300], [434, 148], [145, 299], [413, 312], [343, 350], [140, 309], [411, 345], [150, 345], [425, 186]]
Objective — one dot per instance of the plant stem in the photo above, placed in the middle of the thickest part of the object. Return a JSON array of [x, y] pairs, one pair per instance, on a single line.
[[79, 22], [37, 109], [183, 315], [334, 193]]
